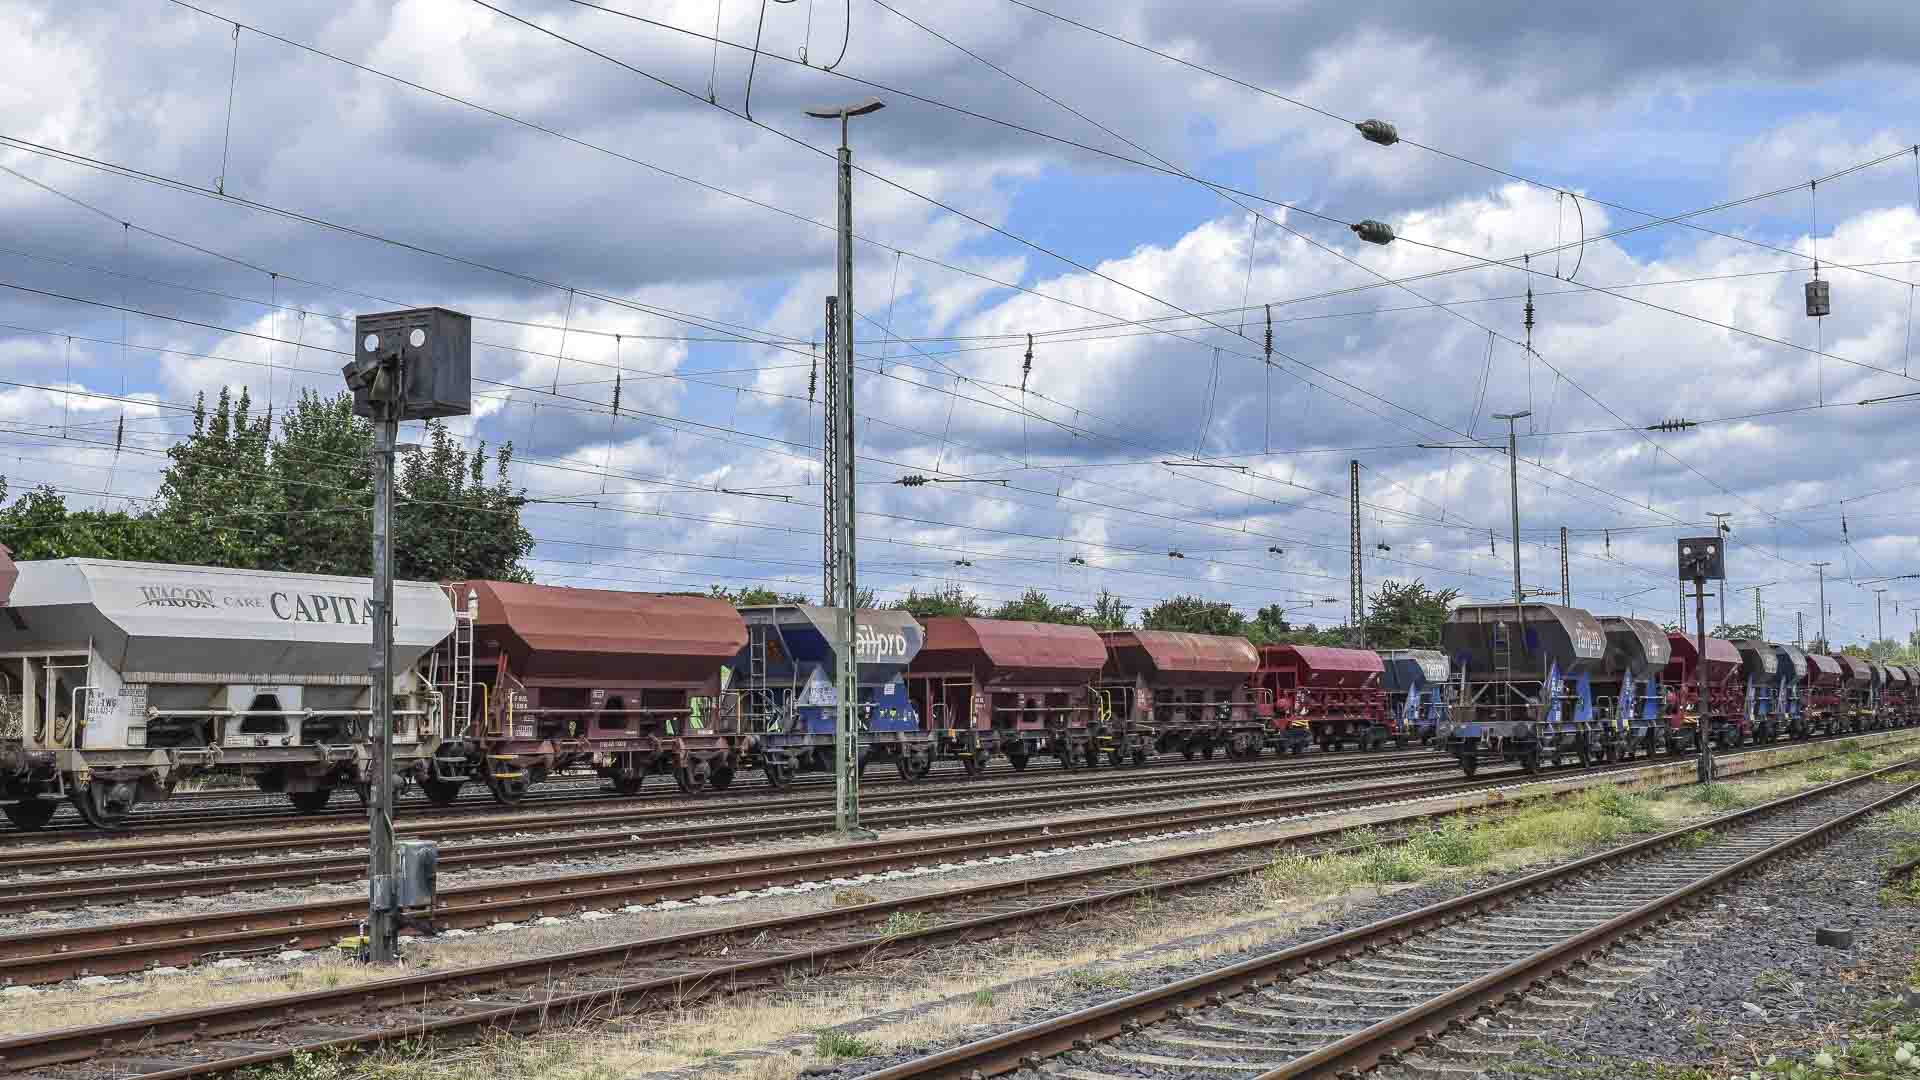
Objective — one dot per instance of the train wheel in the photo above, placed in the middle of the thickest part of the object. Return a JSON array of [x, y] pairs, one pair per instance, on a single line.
[[1018, 760], [779, 775], [1068, 760], [104, 804], [1470, 765], [719, 777], [31, 813], [1206, 751], [1530, 761], [689, 781], [1116, 757], [1586, 755], [507, 790], [1139, 756], [310, 802], [1187, 750], [974, 762], [912, 767], [441, 792]]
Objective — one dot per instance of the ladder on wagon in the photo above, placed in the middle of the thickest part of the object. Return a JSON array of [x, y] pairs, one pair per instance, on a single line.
[[458, 650]]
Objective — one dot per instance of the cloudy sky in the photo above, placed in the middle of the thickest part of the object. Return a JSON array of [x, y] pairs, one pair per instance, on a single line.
[[185, 206]]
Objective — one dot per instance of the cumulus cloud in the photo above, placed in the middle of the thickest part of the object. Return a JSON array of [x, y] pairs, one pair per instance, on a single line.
[[624, 260]]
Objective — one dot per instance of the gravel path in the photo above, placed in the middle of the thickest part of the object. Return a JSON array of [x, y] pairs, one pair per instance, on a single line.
[[1756, 984]]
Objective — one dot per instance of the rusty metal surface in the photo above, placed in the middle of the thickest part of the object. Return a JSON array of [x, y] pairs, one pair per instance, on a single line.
[[1322, 666], [1009, 651], [1853, 668], [1192, 658], [1824, 670], [1722, 658], [549, 632]]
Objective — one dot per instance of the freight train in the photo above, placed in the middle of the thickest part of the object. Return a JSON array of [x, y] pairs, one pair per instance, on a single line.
[[120, 681], [1534, 683]]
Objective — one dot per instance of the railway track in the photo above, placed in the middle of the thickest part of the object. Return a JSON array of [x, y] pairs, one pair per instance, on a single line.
[[254, 813], [119, 947], [1390, 992], [696, 824], [674, 970], [52, 955], [256, 808]]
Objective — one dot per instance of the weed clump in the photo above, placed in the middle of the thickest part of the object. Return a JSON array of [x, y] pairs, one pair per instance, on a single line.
[[838, 1044]]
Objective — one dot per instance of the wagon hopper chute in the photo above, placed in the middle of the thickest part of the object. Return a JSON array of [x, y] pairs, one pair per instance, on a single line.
[[988, 686], [629, 683], [1416, 685], [138, 675], [787, 677], [1516, 671], [1766, 677], [1326, 696], [1166, 690]]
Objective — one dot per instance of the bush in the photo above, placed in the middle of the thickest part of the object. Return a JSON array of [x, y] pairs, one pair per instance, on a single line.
[[839, 1044]]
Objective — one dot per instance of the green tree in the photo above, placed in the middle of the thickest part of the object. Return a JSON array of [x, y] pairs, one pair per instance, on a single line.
[[1036, 606], [1108, 612], [951, 600], [238, 493], [755, 596], [1195, 616], [1409, 615], [39, 526], [1736, 631]]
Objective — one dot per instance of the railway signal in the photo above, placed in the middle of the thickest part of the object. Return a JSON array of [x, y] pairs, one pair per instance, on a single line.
[[1701, 558], [407, 365]]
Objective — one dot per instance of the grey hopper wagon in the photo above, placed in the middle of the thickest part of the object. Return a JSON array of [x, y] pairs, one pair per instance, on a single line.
[[137, 675], [1502, 641]]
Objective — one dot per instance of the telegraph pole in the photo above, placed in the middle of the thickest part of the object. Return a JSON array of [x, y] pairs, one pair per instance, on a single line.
[[846, 753], [1822, 567], [1354, 584], [1566, 582], [1513, 496]]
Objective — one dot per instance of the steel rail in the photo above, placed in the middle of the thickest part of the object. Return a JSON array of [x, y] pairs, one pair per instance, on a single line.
[[731, 821], [161, 816], [1025, 1047], [51, 955], [148, 1035]]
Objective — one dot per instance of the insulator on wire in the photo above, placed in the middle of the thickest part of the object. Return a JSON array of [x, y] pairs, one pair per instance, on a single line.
[[1373, 232], [119, 433], [1819, 296], [1176, 554], [1269, 333], [616, 393], [1608, 536], [1527, 321], [1026, 366], [912, 480], [1378, 131], [1490, 550], [1382, 545], [813, 377], [1076, 560]]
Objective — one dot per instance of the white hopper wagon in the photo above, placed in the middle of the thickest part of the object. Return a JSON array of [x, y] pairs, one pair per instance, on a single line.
[[118, 680]]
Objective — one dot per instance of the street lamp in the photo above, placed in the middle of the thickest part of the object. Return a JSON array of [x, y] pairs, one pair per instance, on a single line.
[[839, 500]]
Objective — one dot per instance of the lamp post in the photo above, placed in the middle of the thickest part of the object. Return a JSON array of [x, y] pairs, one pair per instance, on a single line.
[[839, 495]]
